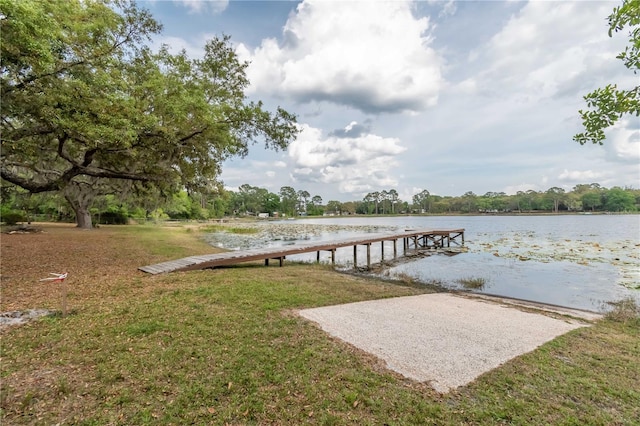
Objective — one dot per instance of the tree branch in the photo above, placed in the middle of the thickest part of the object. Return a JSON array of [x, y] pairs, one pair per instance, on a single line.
[[25, 132]]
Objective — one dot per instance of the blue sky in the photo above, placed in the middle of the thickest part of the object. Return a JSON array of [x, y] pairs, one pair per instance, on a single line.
[[439, 95]]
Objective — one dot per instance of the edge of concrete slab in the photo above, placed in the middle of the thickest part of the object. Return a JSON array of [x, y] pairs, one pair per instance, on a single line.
[[446, 339]]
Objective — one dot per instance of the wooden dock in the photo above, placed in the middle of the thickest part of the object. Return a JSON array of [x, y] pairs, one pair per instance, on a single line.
[[411, 240]]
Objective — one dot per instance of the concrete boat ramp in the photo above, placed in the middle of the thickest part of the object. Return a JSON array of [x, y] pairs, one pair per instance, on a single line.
[[446, 340]]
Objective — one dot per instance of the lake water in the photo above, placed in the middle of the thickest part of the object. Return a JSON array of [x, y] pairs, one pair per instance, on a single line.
[[579, 261]]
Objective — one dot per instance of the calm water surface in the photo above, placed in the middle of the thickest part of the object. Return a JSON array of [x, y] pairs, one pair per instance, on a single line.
[[579, 261]]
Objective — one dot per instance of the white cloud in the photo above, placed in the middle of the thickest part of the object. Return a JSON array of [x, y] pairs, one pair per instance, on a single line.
[[373, 56], [581, 176], [355, 164], [508, 91], [259, 173], [204, 6], [623, 142], [524, 187], [449, 7], [178, 44], [548, 49]]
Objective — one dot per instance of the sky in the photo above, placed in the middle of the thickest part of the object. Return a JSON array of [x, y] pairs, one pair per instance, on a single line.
[[447, 96]]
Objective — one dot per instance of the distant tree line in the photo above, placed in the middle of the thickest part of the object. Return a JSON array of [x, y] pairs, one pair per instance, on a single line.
[[19, 205]]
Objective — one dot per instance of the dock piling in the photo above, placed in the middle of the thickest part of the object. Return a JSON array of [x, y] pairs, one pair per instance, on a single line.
[[421, 239]]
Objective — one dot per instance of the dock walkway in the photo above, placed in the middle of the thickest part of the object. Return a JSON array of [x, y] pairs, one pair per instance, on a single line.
[[412, 239]]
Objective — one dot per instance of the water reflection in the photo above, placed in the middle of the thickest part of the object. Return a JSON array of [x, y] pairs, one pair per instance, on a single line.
[[575, 261], [563, 283]]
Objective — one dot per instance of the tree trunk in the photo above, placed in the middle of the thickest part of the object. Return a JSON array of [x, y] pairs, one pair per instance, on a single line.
[[80, 196], [83, 217]]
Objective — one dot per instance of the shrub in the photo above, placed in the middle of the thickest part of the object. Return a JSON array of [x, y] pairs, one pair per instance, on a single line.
[[12, 217], [625, 311], [113, 218]]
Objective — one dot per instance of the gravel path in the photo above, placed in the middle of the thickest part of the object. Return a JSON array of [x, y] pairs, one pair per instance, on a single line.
[[443, 339]]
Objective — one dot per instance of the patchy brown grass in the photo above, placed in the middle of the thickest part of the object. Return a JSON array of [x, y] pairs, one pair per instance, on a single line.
[[223, 347], [101, 262]]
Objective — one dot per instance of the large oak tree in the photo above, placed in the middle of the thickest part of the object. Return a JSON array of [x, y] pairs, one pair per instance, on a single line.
[[87, 105]]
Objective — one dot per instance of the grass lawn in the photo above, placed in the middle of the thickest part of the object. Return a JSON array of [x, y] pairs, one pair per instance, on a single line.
[[225, 346]]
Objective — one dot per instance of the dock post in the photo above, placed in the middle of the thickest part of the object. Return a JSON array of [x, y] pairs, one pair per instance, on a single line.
[[382, 251], [355, 256], [427, 239]]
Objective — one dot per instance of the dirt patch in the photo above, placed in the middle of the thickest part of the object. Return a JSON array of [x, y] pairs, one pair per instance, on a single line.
[[22, 229], [7, 319], [101, 263]]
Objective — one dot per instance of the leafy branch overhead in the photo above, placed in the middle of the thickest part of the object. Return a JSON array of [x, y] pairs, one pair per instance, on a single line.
[[84, 99], [609, 104]]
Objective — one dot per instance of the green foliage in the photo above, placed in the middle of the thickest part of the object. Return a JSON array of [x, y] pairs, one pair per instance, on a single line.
[[253, 200], [609, 104], [138, 213], [180, 206], [113, 218], [591, 200], [334, 207], [288, 200], [12, 217], [226, 348], [85, 101], [201, 206], [158, 215], [236, 230], [422, 200], [315, 210], [619, 200]]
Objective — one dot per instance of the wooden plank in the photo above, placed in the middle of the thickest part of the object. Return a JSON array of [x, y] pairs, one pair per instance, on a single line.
[[234, 257], [153, 269]]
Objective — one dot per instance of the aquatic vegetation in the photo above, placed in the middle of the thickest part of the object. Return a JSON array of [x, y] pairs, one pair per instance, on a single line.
[[405, 278], [230, 229], [435, 282], [472, 283], [522, 255], [237, 230], [624, 311], [529, 247]]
